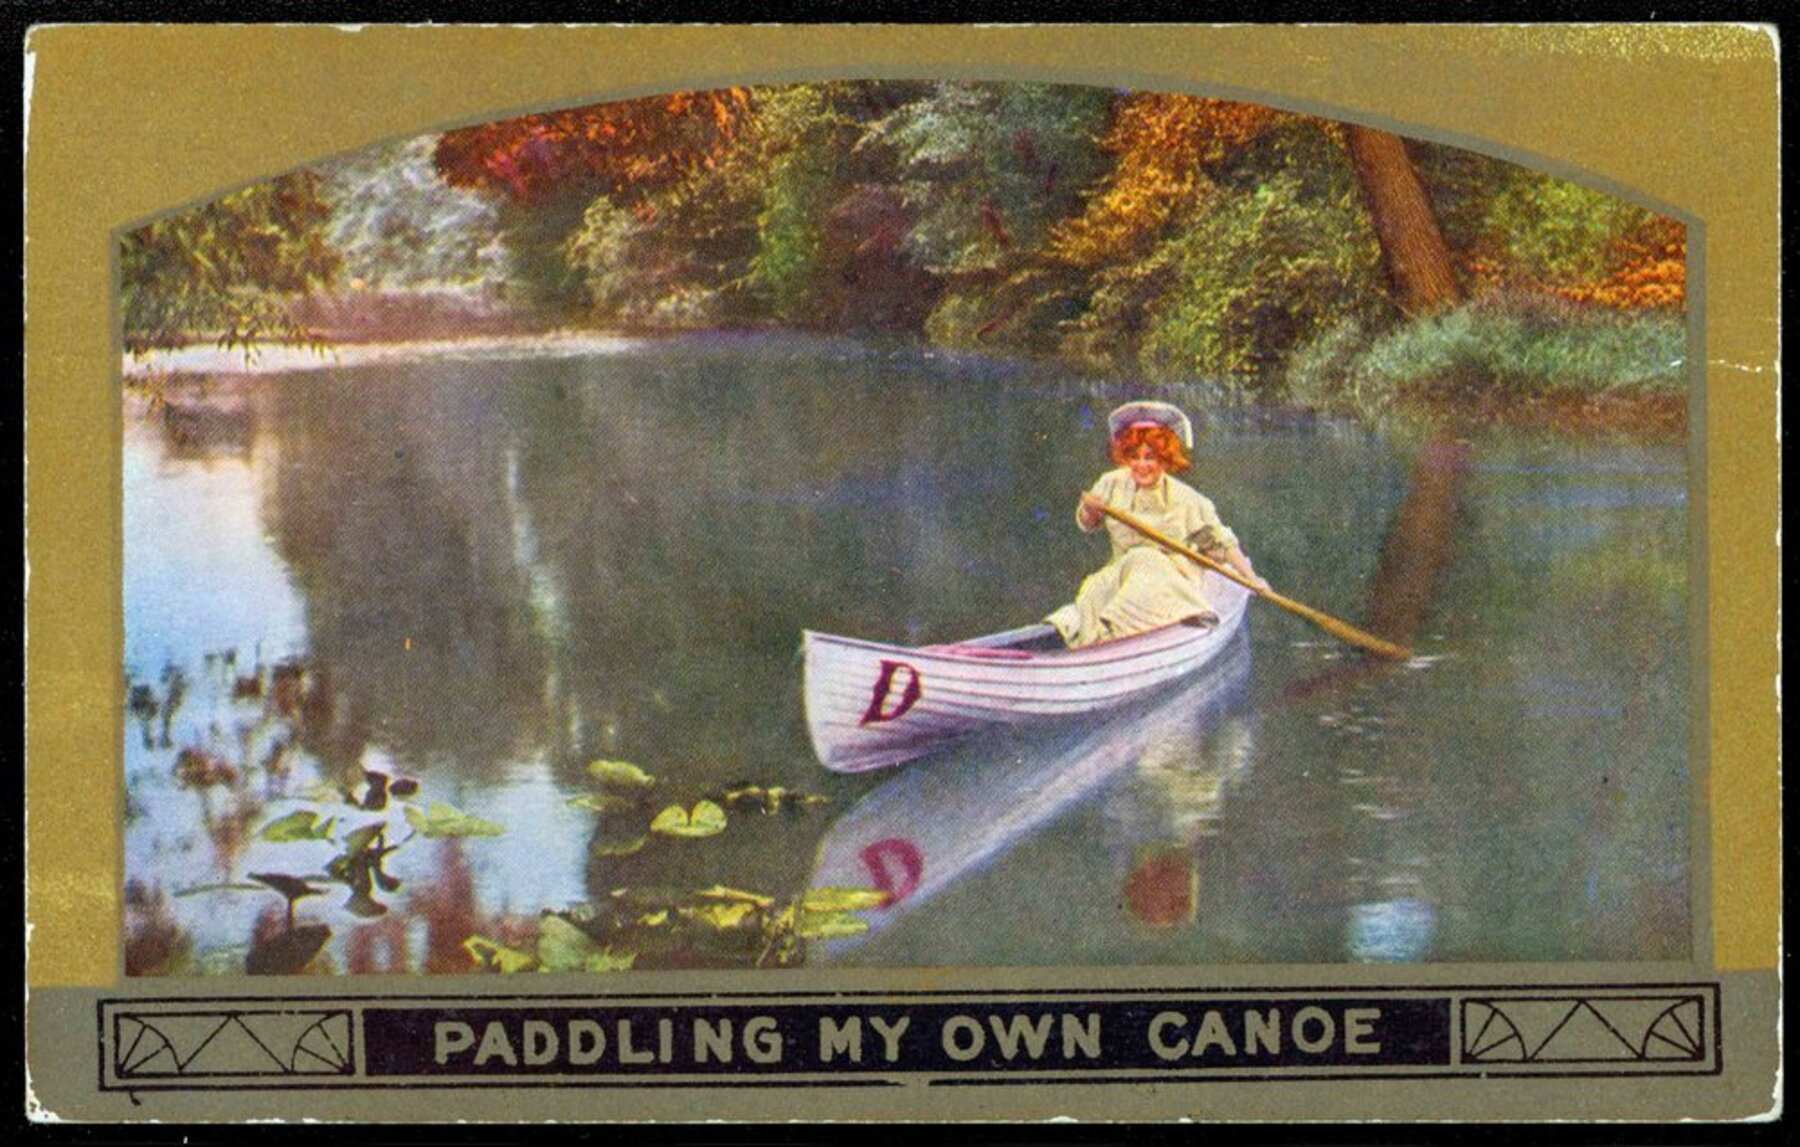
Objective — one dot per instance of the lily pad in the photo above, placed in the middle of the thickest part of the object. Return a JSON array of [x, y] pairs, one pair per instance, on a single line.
[[623, 846], [833, 899], [609, 960], [705, 819], [562, 947], [229, 886], [443, 820], [323, 792], [649, 897], [720, 915], [361, 839], [735, 895], [287, 953], [303, 824], [600, 802], [620, 774], [772, 799], [493, 954], [829, 925]]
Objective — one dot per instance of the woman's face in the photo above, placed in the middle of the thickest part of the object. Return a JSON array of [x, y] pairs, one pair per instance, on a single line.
[[1146, 467]]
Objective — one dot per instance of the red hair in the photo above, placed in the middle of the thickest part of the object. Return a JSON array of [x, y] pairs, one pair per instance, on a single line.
[[1163, 442]]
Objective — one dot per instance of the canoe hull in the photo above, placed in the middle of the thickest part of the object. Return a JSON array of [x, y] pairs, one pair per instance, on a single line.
[[871, 705]]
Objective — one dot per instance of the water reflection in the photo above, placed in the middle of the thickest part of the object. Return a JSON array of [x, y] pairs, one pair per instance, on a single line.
[[484, 574]]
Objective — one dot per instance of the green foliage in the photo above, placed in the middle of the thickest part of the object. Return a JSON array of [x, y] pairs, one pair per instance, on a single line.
[[989, 167], [1502, 345], [1554, 231], [536, 237], [490, 953], [562, 947], [1284, 253], [800, 138], [1507, 223], [605, 250], [226, 270]]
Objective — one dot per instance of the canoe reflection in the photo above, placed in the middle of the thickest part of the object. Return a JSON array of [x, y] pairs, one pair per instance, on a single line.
[[934, 824]]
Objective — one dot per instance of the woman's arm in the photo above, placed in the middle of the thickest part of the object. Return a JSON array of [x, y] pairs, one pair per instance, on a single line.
[[1239, 561], [1218, 542], [1087, 511]]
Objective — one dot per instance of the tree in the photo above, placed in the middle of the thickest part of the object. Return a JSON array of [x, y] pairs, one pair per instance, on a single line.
[[622, 150], [988, 168], [547, 170], [1162, 144], [396, 223], [228, 269], [1412, 246]]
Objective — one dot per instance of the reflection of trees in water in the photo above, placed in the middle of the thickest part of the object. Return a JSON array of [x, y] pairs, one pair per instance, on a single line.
[[388, 507], [201, 421]]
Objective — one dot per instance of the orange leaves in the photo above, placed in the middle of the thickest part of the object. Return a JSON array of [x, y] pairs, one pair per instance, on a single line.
[[1650, 272], [1163, 142], [633, 146]]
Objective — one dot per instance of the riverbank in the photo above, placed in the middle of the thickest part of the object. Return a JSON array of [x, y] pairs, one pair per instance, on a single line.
[[212, 360], [1647, 413]]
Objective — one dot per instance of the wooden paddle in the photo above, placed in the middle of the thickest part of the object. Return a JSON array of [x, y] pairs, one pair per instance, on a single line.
[[1342, 630]]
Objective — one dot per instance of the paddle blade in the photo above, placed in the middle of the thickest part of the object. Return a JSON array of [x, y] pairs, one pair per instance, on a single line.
[[1342, 630]]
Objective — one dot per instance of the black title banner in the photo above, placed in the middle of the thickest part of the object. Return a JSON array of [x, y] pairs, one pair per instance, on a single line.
[[1061, 1036]]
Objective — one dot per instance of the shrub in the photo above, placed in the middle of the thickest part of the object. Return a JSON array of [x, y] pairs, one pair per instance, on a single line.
[[1510, 346], [1265, 271]]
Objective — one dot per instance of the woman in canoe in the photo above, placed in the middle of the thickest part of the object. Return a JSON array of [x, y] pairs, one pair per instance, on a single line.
[[1144, 586]]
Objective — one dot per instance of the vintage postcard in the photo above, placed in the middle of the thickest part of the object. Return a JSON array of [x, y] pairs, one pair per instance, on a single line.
[[870, 573]]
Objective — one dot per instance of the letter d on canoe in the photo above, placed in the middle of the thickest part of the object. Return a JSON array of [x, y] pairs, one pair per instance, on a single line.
[[910, 692]]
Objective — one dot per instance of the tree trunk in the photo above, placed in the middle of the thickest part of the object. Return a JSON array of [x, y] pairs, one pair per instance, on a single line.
[[1413, 248]]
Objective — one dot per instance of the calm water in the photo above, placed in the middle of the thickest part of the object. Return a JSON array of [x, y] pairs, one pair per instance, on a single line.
[[496, 571]]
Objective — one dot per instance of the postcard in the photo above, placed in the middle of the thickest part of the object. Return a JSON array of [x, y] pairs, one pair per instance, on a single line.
[[853, 572]]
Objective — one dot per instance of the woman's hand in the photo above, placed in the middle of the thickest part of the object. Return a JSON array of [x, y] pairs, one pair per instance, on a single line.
[[1239, 561], [1090, 510]]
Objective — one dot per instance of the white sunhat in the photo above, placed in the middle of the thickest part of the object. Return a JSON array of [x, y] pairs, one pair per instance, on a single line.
[[1155, 413]]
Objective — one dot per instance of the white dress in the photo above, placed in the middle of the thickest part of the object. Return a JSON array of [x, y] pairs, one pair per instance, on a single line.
[[1144, 586]]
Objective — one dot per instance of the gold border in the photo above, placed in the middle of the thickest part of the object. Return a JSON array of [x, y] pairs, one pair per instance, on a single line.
[[126, 121]]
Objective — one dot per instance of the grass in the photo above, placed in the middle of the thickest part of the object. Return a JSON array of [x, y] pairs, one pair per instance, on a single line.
[[1497, 351]]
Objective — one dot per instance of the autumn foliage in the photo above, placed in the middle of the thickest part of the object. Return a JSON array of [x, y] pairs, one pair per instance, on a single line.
[[221, 268], [1650, 271], [630, 147], [1163, 144], [1171, 234]]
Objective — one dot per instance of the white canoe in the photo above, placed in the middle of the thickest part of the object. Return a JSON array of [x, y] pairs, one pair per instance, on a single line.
[[923, 830], [869, 705]]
